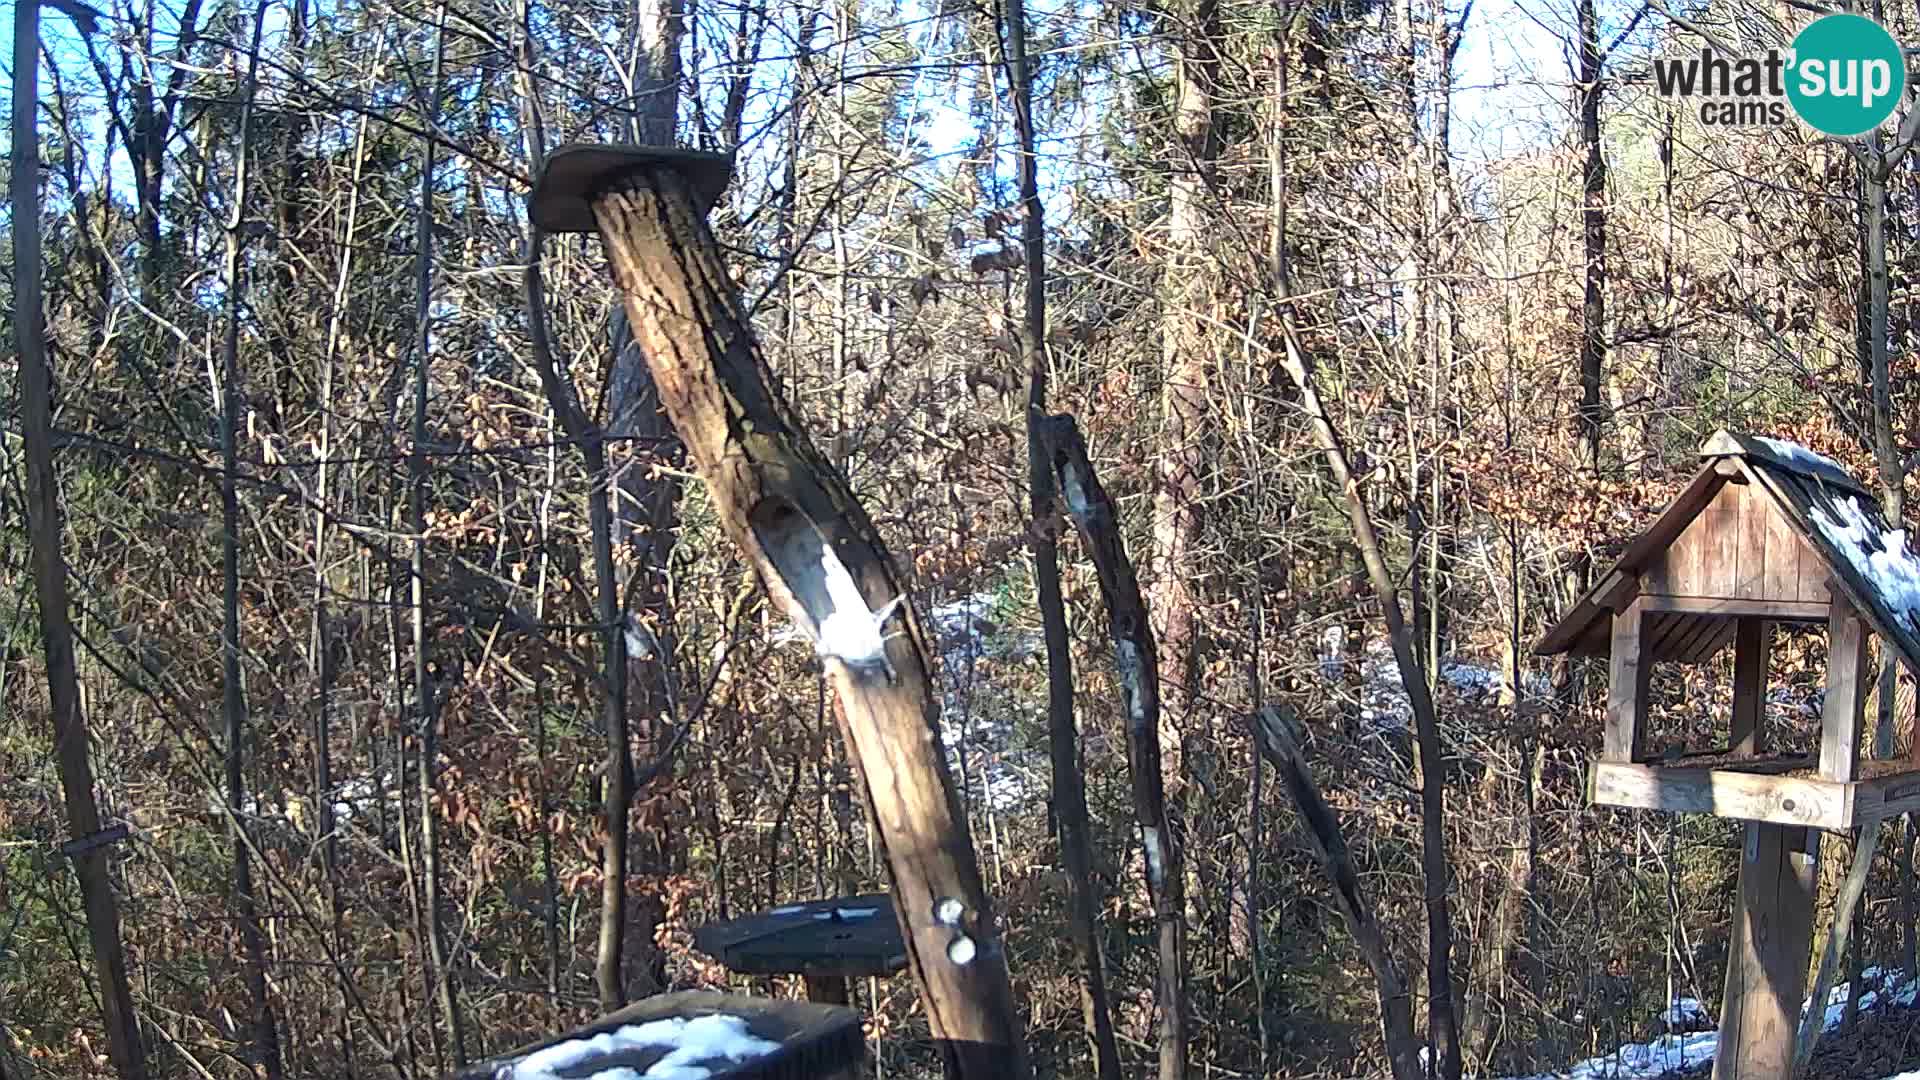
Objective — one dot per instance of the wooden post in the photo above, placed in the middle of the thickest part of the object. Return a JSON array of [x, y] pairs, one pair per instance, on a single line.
[[795, 519], [1844, 707], [1750, 645], [1767, 962], [1629, 671], [827, 989]]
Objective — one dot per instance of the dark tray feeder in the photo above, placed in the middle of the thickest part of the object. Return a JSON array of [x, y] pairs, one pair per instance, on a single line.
[[825, 941], [809, 1042]]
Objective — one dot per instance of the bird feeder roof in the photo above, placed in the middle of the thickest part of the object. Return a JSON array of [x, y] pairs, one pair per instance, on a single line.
[[848, 936], [575, 174], [1842, 534]]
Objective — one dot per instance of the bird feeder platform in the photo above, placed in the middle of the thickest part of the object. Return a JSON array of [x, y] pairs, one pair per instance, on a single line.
[[825, 941], [1766, 533], [719, 1036]]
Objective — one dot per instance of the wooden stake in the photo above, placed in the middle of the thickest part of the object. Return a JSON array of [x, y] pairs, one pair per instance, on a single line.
[[795, 519]]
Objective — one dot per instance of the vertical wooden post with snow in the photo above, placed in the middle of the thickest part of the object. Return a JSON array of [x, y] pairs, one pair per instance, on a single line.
[[796, 520], [1765, 534]]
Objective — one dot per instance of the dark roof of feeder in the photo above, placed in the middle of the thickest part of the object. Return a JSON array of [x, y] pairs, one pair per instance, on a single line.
[[846, 936], [727, 1036], [572, 176], [1833, 513]]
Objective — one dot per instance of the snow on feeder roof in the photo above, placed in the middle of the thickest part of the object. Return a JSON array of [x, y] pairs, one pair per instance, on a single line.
[[692, 1036]]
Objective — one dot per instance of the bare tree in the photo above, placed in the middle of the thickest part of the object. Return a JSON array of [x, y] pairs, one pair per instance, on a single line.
[[70, 736]]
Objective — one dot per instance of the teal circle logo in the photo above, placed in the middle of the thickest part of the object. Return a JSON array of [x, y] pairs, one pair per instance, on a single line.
[[1848, 75]]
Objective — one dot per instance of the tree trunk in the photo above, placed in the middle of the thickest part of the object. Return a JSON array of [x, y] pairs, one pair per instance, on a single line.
[[266, 1040], [1593, 234], [793, 515], [645, 516], [70, 737], [1138, 667], [440, 977], [1442, 1026], [1274, 735], [1063, 737], [1184, 373]]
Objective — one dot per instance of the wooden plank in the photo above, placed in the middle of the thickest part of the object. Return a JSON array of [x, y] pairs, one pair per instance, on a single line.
[[1628, 672], [1782, 800], [1843, 709], [1617, 590], [1887, 796], [1767, 960], [1755, 508], [1783, 558], [1752, 641], [1661, 630], [1720, 566], [1578, 620], [827, 989], [1814, 574], [1695, 630], [1776, 610]]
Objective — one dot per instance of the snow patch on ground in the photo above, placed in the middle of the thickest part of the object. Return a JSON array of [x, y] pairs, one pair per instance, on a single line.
[[1675, 1052], [976, 720], [1384, 704]]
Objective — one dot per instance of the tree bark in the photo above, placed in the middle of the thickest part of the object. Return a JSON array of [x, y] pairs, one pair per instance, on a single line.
[[793, 515], [1442, 1025], [1844, 905], [1442, 1021], [266, 1038], [440, 980], [1063, 737], [1593, 233], [1184, 373], [70, 736], [1094, 515]]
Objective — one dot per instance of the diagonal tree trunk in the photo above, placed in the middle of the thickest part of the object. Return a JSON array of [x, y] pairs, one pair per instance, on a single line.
[[792, 514], [1442, 1019], [70, 736], [1274, 735], [1138, 666]]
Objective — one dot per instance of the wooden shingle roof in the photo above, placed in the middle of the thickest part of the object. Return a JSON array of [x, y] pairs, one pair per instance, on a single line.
[[1832, 513]]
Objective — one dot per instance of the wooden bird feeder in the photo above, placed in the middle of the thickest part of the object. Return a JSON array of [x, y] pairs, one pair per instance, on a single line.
[[1765, 533], [826, 942]]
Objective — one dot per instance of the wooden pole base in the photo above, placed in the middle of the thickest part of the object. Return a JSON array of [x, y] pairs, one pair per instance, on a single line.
[[1767, 962]]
